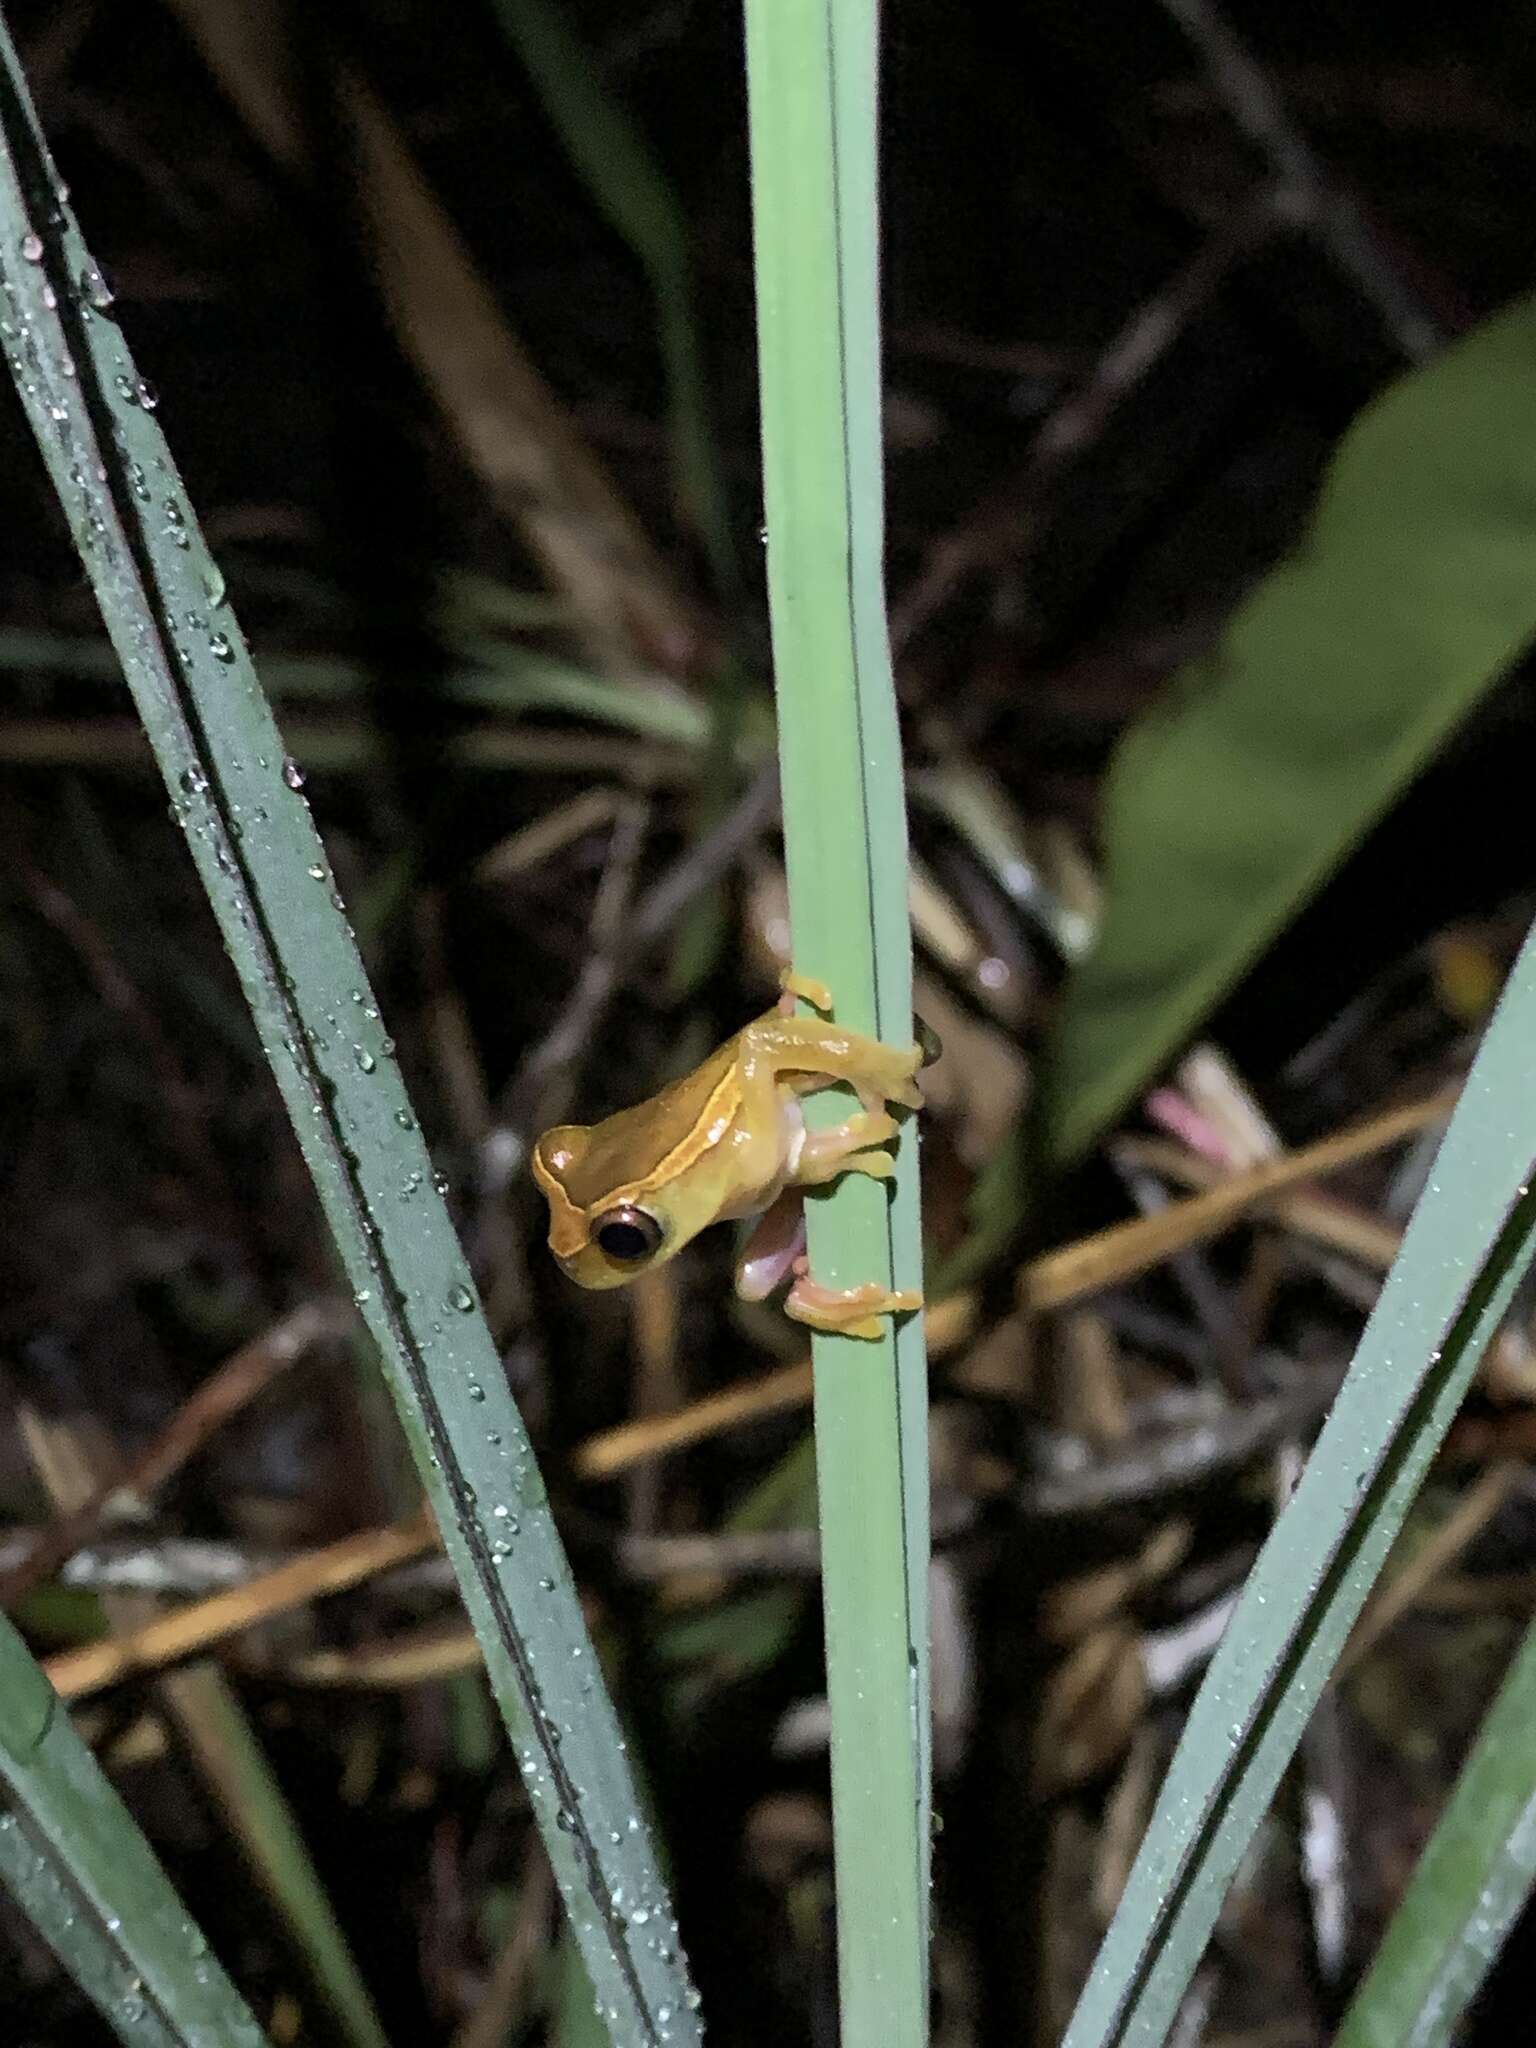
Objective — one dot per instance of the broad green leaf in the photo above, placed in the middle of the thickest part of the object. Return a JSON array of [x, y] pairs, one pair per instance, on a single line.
[[1471, 1884], [1413, 591]]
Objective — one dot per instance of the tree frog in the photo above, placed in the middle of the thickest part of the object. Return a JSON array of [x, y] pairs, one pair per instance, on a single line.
[[729, 1140]]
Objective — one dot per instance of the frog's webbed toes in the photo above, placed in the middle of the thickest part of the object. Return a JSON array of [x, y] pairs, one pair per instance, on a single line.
[[851, 1311]]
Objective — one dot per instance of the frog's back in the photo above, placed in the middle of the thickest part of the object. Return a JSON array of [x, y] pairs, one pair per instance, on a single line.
[[657, 1138]]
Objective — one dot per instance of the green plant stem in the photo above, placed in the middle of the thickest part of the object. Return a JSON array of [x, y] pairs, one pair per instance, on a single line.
[[811, 74]]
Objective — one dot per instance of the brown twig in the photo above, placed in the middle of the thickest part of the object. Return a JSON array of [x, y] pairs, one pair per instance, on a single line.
[[1053, 1280], [1307, 189], [1126, 1249], [334, 1569], [229, 1388], [188, 1109], [1222, 1440], [513, 431], [1431, 1560], [657, 910]]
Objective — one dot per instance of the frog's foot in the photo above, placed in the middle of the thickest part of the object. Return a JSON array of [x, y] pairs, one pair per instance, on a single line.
[[807, 988], [848, 1311], [846, 1148]]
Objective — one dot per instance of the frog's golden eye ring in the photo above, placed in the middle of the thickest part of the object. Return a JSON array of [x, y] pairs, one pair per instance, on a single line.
[[627, 1235]]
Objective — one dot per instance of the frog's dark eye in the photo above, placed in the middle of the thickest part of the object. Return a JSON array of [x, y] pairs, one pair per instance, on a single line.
[[627, 1235]]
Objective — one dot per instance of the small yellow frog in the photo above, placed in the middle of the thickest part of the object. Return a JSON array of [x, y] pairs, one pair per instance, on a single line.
[[729, 1140]]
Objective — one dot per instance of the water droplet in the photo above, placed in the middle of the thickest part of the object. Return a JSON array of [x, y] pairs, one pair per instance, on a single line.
[[440, 1182], [460, 1297], [475, 1391], [405, 1120], [221, 647], [31, 248], [193, 781], [146, 394], [547, 1585], [293, 775], [364, 1058], [315, 872], [95, 289], [362, 1297]]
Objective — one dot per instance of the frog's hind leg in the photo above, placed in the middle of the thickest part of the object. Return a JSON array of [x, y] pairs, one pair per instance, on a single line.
[[774, 1249], [777, 1045]]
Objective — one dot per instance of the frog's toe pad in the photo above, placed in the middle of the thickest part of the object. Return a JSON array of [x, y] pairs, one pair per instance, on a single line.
[[878, 1165], [849, 1311]]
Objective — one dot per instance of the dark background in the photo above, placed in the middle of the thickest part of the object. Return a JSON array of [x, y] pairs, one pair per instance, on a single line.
[[1047, 172]]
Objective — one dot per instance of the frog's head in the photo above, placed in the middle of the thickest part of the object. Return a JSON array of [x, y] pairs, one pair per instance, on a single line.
[[602, 1234]]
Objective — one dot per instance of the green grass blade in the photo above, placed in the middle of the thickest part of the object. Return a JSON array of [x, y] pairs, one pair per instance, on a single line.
[[811, 76], [509, 682], [267, 878], [1328, 693], [233, 1764], [76, 1861], [1471, 1884], [1470, 1240]]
